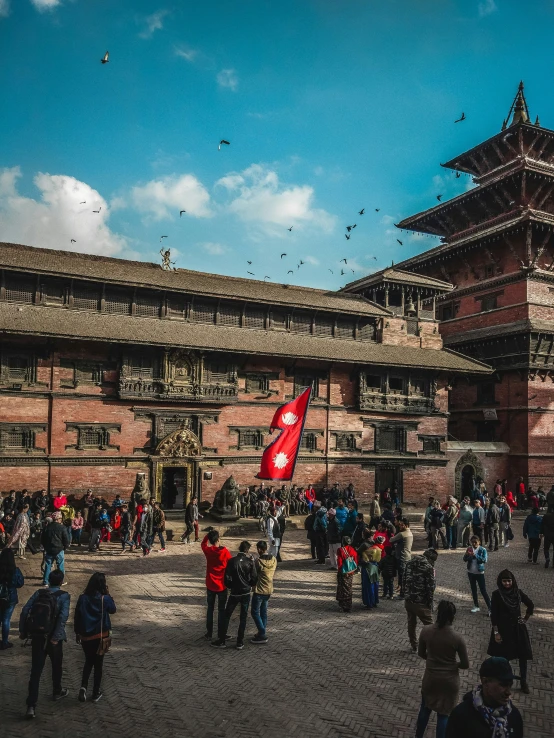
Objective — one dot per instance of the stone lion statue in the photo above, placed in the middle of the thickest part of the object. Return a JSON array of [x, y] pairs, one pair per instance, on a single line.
[[226, 500]]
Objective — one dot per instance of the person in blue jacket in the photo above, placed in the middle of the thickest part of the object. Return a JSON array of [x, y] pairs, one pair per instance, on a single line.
[[532, 531], [11, 579], [91, 624], [476, 558]]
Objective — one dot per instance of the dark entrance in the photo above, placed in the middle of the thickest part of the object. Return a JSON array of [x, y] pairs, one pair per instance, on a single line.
[[174, 487], [468, 477], [389, 476]]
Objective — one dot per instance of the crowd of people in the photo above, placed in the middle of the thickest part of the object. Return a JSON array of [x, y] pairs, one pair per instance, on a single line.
[[376, 546]]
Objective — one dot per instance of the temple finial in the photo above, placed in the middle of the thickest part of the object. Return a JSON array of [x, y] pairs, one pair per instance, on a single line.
[[537, 121], [518, 108]]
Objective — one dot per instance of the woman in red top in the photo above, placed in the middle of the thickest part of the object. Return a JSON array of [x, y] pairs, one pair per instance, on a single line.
[[59, 501], [310, 497], [347, 563], [511, 500]]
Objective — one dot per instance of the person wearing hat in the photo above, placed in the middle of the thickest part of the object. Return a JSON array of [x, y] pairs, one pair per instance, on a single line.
[[487, 711], [509, 636]]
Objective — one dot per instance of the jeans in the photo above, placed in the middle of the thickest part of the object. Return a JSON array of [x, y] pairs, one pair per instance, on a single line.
[[434, 534], [493, 537], [333, 549], [478, 579], [388, 586], [259, 612], [415, 610], [423, 719], [5, 617], [232, 602], [221, 601], [126, 539], [401, 568], [92, 661], [160, 534], [94, 540], [451, 535], [321, 545], [534, 546], [76, 535], [49, 560], [464, 530], [38, 659], [502, 533]]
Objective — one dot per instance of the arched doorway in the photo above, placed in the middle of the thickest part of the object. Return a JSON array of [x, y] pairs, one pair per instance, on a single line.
[[468, 468], [176, 469], [468, 480]]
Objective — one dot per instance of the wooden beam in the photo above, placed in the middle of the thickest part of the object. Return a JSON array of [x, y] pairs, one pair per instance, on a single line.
[[513, 249], [541, 248]]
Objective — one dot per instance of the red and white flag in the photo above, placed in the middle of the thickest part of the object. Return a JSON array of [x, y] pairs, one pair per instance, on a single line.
[[279, 458]]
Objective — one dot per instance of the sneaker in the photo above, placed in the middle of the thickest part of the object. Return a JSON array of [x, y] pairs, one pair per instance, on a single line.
[[475, 609], [5, 646], [239, 646], [96, 697], [162, 550], [82, 695], [64, 584], [30, 714], [207, 636], [529, 561], [64, 692], [259, 639], [218, 644]]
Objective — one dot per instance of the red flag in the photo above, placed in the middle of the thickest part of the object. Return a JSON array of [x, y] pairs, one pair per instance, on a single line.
[[279, 458]]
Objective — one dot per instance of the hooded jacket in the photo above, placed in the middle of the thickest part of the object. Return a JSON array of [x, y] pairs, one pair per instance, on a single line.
[[216, 561], [419, 581], [265, 566], [532, 526], [334, 533], [88, 614], [320, 522], [240, 575], [55, 538], [547, 525], [465, 721]]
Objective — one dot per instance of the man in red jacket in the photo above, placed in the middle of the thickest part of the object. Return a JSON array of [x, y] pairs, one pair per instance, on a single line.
[[216, 561]]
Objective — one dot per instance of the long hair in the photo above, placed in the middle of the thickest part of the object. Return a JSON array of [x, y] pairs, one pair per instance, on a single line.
[[96, 584], [7, 565], [446, 612]]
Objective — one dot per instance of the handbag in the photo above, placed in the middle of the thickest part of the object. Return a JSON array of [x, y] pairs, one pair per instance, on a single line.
[[509, 533], [348, 565], [105, 641]]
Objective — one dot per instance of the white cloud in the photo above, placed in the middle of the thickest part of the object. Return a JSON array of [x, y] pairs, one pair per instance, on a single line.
[[42, 5], [185, 53], [165, 197], [487, 7], [57, 216], [388, 219], [154, 22], [258, 197], [228, 78], [4, 8], [311, 260], [214, 249]]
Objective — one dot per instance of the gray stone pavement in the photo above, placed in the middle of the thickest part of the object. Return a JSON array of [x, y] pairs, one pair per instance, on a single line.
[[323, 672]]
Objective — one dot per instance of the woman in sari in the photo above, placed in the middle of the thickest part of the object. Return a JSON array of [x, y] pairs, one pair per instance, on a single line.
[[347, 564], [369, 556]]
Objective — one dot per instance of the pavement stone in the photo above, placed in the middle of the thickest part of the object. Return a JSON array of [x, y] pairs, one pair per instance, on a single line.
[[323, 672]]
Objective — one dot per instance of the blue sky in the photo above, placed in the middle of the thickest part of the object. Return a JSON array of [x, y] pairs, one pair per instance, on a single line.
[[330, 107]]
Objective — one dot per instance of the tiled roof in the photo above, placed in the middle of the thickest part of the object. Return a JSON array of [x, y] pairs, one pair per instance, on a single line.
[[37, 320], [500, 330], [144, 274], [398, 275]]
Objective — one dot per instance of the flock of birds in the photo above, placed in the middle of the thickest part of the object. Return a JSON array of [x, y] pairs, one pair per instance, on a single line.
[[349, 228]]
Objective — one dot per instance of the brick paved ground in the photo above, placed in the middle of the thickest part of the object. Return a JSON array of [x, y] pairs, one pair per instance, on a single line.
[[323, 672]]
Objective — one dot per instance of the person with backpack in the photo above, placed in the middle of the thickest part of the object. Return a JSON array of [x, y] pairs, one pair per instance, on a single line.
[[158, 521], [505, 519], [347, 565], [55, 541], [92, 627], [266, 564], [532, 532], [240, 577], [43, 621], [11, 579]]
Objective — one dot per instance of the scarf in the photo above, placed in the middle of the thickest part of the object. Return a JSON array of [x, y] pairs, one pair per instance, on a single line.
[[496, 718], [510, 597]]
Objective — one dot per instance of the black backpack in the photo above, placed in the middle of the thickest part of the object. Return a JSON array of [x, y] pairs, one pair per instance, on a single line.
[[41, 618], [4, 596]]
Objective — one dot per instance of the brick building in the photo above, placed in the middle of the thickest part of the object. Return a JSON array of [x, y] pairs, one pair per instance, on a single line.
[[109, 367], [498, 252]]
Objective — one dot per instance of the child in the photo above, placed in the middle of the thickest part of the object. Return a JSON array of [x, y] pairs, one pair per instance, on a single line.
[[387, 566], [77, 528]]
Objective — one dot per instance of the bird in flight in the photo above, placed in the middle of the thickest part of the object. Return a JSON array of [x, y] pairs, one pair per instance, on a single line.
[[342, 272], [162, 237], [290, 229], [106, 58], [97, 211], [301, 262], [347, 236], [252, 273], [353, 272], [374, 257], [249, 262], [83, 203], [348, 228], [282, 255], [399, 241], [343, 260], [73, 240], [223, 142], [266, 277], [461, 118], [361, 212], [332, 272], [377, 210], [290, 271], [181, 213], [458, 175], [439, 197]]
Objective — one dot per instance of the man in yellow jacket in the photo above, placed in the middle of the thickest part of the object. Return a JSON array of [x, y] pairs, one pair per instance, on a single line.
[[266, 564]]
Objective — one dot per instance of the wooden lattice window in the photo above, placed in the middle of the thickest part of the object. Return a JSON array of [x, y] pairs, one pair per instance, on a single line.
[[373, 382], [117, 302], [432, 444], [301, 381], [309, 441], [279, 320], [203, 312], [18, 438], [93, 436], [257, 383], [490, 302], [176, 306], [54, 292], [301, 323], [219, 373], [323, 328], [346, 442], [229, 315], [412, 326], [19, 289], [147, 305], [85, 297], [366, 331], [19, 368], [390, 438], [141, 367], [254, 318], [344, 329]]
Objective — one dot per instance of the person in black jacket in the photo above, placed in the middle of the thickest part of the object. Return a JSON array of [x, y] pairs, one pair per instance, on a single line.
[[55, 541], [240, 577], [487, 710]]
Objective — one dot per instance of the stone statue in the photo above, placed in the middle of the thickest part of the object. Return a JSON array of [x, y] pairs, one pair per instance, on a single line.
[[227, 501], [140, 493], [167, 264]]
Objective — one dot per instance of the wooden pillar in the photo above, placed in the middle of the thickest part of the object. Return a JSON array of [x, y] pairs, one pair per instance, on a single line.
[[387, 296]]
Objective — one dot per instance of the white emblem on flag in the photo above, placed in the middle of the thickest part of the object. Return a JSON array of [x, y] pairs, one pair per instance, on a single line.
[[280, 460], [289, 418]]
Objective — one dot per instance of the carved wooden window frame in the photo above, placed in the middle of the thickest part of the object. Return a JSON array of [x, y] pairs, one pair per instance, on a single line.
[[28, 433], [103, 433]]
